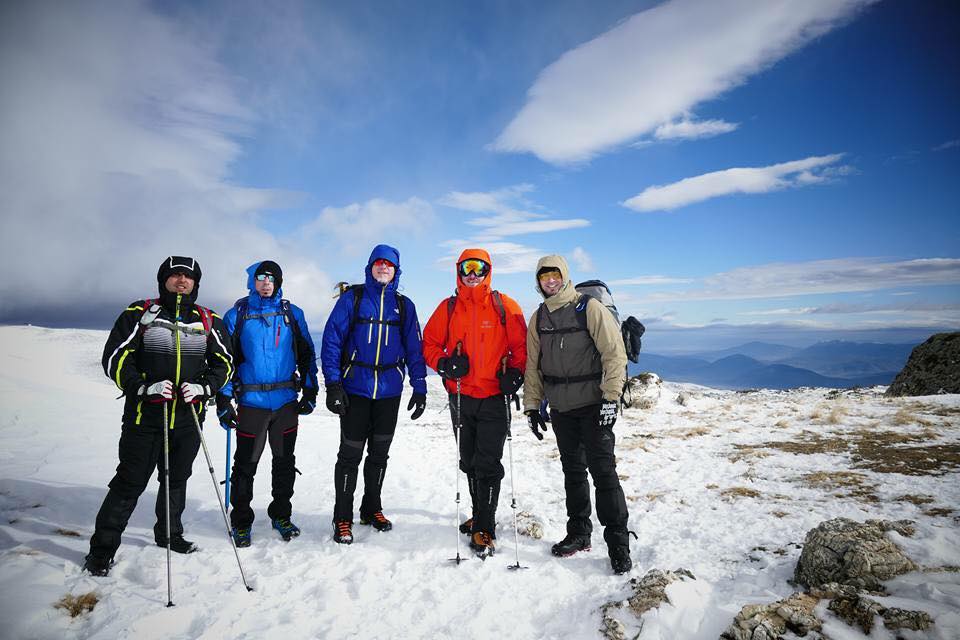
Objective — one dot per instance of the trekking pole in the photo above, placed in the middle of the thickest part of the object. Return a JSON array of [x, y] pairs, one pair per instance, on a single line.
[[226, 482], [513, 493], [166, 492], [216, 488], [456, 436]]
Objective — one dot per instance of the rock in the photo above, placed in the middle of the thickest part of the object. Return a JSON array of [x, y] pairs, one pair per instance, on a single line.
[[529, 525], [643, 391], [853, 553], [933, 367], [649, 592], [860, 611], [771, 621]]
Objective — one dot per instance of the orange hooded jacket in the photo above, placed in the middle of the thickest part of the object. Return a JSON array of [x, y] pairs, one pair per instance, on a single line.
[[475, 323]]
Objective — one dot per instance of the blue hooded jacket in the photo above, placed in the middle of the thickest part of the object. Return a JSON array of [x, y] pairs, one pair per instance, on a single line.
[[376, 341], [267, 349]]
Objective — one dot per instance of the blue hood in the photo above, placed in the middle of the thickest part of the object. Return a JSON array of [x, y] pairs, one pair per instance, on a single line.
[[386, 252]]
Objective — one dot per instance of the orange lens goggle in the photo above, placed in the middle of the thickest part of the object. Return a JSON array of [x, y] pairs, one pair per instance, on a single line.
[[549, 275], [383, 263], [475, 267]]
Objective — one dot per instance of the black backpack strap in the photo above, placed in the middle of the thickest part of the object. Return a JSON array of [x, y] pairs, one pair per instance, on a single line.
[[500, 308], [240, 306], [451, 307], [357, 291], [402, 308]]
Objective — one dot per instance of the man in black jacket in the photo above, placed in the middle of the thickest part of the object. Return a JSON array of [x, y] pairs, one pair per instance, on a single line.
[[165, 351]]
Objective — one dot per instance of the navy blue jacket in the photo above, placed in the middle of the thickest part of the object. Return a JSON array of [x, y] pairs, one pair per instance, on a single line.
[[266, 343], [376, 340]]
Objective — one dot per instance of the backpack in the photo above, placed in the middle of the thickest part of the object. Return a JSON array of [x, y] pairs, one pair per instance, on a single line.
[[631, 329], [452, 304], [357, 290], [241, 306]]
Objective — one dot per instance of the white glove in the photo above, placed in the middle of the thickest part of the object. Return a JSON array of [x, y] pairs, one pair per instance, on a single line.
[[159, 391], [193, 392]]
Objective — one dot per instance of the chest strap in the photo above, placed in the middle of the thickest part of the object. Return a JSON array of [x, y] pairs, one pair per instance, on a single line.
[[589, 377]]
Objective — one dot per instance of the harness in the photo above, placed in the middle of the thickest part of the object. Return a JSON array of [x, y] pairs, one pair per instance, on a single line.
[[345, 361], [581, 315], [242, 307], [151, 310]]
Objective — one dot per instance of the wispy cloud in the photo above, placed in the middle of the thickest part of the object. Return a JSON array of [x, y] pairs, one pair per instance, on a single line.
[[507, 257], [853, 308], [356, 227], [692, 130], [581, 259], [649, 280], [779, 280], [656, 67], [507, 213], [797, 173], [949, 144]]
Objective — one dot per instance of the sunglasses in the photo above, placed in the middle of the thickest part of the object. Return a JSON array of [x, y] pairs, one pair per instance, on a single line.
[[549, 275], [383, 264], [475, 267], [264, 277]]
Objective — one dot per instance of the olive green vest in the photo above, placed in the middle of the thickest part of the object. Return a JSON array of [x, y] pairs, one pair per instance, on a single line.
[[569, 361]]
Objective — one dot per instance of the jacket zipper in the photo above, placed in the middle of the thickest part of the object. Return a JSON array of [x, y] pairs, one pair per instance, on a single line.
[[376, 360], [176, 332]]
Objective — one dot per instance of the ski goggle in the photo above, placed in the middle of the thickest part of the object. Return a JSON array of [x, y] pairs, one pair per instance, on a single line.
[[474, 267], [383, 263], [550, 275], [264, 277]]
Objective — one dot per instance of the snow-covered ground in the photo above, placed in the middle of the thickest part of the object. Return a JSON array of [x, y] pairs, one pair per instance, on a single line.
[[725, 485]]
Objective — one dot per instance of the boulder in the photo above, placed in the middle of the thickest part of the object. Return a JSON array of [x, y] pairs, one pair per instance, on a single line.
[[643, 391], [770, 621], [860, 611], [853, 553], [529, 525], [933, 367]]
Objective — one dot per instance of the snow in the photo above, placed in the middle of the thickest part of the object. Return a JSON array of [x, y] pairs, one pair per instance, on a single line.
[[690, 491]]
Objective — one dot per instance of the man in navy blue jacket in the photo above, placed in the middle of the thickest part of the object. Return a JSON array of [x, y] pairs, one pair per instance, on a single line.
[[272, 344], [371, 338]]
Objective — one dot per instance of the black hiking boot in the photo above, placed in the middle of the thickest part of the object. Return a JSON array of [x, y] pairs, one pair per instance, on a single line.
[[178, 544], [466, 527], [378, 521], [620, 560], [241, 537], [482, 544], [343, 531], [288, 531], [570, 545], [97, 565]]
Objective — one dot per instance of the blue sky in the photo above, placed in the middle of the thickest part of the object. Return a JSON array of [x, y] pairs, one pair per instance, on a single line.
[[784, 171]]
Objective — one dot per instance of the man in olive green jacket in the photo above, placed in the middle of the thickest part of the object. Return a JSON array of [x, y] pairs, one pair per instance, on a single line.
[[576, 360]]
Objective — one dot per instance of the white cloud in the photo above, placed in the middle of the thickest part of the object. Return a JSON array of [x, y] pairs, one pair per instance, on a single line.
[[691, 130], [797, 173], [778, 280], [581, 259], [949, 144], [356, 227], [507, 257], [655, 67], [649, 280], [506, 213]]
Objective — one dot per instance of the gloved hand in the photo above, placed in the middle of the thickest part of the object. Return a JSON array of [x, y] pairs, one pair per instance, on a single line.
[[510, 381], [158, 392], [536, 422], [453, 367], [194, 392], [608, 413], [337, 401], [418, 402], [226, 412], [308, 401]]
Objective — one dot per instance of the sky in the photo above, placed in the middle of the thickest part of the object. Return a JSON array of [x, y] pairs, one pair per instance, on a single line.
[[784, 171]]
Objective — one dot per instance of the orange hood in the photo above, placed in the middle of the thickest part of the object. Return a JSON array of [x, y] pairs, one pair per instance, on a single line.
[[482, 290]]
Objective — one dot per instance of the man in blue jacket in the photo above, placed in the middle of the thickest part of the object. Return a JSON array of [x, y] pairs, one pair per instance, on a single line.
[[371, 338], [271, 344]]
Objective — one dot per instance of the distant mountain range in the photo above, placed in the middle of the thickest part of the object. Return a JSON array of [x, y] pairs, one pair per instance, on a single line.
[[834, 364]]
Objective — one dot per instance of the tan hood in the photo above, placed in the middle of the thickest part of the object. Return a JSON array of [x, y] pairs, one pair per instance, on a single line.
[[567, 293]]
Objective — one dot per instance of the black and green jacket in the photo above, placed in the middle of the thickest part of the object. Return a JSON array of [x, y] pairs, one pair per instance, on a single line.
[[177, 346]]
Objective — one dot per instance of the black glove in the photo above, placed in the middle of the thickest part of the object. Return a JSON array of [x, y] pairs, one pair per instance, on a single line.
[[510, 381], [226, 412], [308, 401], [536, 422], [337, 401], [418, 402], [608, 413], [194, 392], [454, 367]]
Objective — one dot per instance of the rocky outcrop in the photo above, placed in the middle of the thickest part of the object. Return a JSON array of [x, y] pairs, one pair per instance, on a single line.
[[857, 610], [529, 525], [933, 367], [649, 592], [853, 553], [643, 391], [771, 621]]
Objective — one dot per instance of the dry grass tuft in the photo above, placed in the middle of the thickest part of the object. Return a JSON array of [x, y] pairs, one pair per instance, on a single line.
[[76, 605], [70, 533], [846, 484], [913, 498], [906, 416], [740, 492], [837, 414], [713, 486], [686, 434], [942, 512], [779, 514], [782, 423]]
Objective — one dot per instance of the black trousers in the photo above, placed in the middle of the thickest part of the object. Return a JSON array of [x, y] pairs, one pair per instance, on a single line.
[[255, 428], [483, 432], [585, 445], [371, 423], [140, 452]]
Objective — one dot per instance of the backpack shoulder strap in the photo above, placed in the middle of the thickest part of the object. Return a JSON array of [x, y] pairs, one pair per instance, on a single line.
[[451, 307], [402, 310], [206, 318], [498, 301], [294, 327], [151, 309], [581, 310]]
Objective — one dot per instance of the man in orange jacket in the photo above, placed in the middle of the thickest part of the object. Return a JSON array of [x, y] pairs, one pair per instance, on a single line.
[[478, 337]]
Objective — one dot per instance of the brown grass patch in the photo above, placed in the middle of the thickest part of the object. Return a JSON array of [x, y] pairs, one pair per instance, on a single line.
[[779, 514], [76, 605], [740, 492], [686, 434], [713, 486], [70, 533], [916, 499], [846, 484], [837, 414], [782, 423], [939, 512], [907, 416], [654, 495]]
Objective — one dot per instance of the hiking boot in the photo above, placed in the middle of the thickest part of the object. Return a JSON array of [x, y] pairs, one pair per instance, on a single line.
[[378, 521], [620, 560], [466, 527], [343, 531], [287, 529], [241, 537], [482, 544], [570, 545], [97, 565], [178, 544]]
